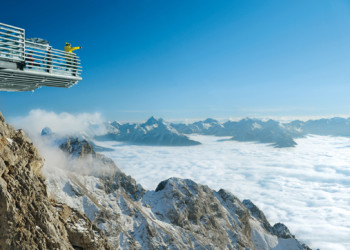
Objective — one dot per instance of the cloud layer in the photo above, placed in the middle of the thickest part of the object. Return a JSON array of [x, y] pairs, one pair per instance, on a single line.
[[61, 124], [307, 187]]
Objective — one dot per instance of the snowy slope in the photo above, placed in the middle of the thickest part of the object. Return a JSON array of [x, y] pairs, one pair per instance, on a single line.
[[179, 213], [152, 132]]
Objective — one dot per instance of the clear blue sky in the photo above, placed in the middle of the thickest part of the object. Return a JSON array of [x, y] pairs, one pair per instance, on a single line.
[[193, 59]]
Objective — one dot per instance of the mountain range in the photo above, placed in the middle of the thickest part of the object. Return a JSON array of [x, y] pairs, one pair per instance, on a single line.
[[152, 132], [158, 132], [84, 201]]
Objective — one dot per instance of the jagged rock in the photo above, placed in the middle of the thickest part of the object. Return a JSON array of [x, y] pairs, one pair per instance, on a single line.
[[208, 217], [81, 232], [179, 214], [77, 147], [101, 167], [29, 219], [280, 230], [257, 214]]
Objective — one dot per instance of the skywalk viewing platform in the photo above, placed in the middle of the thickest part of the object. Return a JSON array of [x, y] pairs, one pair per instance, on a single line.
[[28, 64]]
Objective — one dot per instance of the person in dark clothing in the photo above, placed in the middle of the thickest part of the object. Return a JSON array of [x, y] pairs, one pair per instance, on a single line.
[[48, 60]]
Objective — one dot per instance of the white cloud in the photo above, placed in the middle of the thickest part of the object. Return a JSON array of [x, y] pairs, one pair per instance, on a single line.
[[307, 187], [61, 124]]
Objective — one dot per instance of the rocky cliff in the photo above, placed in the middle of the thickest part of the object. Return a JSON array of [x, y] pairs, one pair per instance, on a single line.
[[29, 218], [179, 214]]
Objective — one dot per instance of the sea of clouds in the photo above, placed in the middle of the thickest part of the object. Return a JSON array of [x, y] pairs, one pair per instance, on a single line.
[[306, 187]]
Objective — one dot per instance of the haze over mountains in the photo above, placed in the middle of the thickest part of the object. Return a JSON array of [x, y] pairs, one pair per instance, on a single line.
[[159, 132]]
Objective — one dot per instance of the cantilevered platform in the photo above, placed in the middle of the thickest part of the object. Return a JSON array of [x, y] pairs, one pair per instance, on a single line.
[[26, 65]]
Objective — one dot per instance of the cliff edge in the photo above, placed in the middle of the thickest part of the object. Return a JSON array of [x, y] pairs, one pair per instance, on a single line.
[[29, 219]]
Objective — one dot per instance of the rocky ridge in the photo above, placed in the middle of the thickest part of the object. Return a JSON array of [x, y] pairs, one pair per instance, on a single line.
[[29, 217], [179, 214]]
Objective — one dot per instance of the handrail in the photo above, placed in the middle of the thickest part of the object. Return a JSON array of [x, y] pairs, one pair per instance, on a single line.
[[9, 35], [61, 52], [13, 31], [12, 43], [72, 56], [11, 40], [58, 60], [47, 52], [40, 57], [36, 57], [11, 54], [12, 27]]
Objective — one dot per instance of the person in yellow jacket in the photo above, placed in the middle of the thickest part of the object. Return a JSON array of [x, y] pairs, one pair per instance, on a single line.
[[71, 58], [69, 48]]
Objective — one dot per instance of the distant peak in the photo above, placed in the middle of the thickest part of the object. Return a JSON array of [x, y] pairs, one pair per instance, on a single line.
[[46, 131], [152, 121], [115, 124], [210, 120]]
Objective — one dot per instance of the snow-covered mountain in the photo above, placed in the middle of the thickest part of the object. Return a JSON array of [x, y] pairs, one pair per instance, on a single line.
[[178, 214], [206, 127], [152, 132], [270, 131], [261, 131], [335, 126], [158, 132], [244, 130]]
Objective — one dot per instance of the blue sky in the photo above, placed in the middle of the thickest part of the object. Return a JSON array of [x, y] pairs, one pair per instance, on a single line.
[[193, 59]]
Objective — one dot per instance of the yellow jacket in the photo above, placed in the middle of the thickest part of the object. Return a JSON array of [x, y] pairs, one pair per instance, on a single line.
[[70, 49]]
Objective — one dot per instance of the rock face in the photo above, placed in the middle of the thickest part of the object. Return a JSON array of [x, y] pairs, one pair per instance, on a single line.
[[77, 147], [152, 132], [179, 214], [29, 219], [99, 166]]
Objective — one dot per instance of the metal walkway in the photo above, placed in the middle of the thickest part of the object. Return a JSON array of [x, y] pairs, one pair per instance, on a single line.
[[27, 65]]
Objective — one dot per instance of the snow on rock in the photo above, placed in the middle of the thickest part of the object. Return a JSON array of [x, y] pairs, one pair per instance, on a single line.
[[179, 214], [152, 132], [244, 130], [29, 217]]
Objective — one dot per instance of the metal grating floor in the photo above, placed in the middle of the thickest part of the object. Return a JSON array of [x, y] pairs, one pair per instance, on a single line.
[[18, 80]]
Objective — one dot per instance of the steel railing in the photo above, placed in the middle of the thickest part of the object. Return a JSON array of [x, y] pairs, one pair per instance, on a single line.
[[36, 56], [12, 43], [44, 58]]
